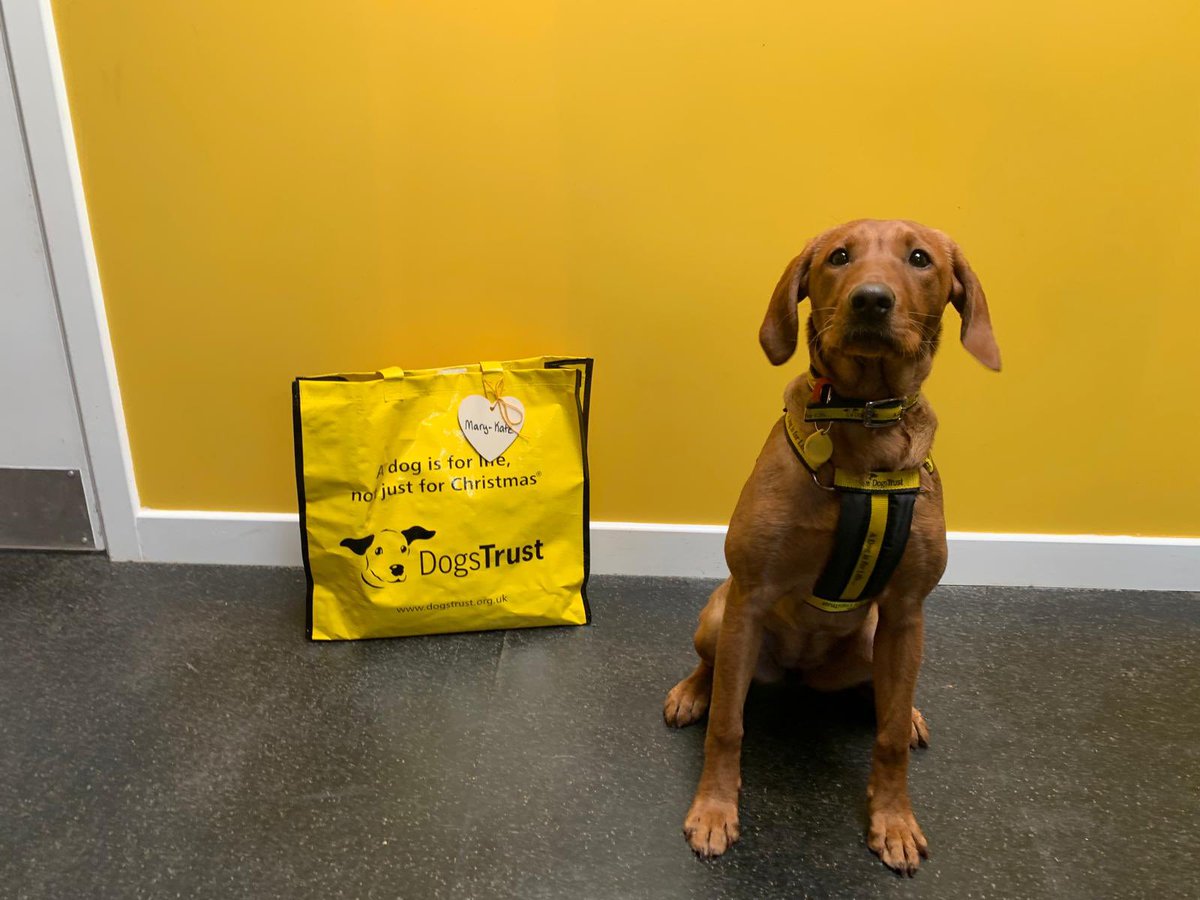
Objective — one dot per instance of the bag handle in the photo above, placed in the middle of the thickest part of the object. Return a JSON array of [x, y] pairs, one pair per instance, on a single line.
[[391, 373], [492, 376]]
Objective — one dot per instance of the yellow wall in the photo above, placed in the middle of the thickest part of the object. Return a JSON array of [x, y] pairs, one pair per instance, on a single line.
[[280, 189]]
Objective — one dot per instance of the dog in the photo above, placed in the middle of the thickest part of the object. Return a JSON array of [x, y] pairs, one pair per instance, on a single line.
[[384, 554], [878, 292]]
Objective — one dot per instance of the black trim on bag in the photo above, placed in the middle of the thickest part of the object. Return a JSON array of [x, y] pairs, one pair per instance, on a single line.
[[301, 501], [583, 405], [587, 363]]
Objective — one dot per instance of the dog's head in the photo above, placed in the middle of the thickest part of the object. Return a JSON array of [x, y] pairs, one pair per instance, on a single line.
[[878, 289], [385, 553]]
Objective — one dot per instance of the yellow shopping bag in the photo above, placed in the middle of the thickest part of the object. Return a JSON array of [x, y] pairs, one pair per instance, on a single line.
[[441, 500]]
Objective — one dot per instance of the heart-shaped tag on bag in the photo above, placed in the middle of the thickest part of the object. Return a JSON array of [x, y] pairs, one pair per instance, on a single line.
[[483, 423]]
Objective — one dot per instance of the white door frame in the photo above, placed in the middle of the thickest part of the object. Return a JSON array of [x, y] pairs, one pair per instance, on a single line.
[[50, 141]]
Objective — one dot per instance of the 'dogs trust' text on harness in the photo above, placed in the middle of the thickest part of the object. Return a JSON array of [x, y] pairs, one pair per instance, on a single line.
[[877, 507]]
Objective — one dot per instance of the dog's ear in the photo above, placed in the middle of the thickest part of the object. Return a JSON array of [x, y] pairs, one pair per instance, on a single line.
[[781, 328], [967, 296], [417, 533], [359, 545]]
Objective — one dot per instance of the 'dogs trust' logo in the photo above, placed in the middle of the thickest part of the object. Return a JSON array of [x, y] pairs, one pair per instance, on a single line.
[[386, 553], [388, 556]]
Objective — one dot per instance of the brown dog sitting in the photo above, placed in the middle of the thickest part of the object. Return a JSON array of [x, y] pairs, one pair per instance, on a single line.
[[838, 535]]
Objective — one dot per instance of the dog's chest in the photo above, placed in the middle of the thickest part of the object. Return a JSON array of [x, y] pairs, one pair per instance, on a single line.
[[802, 638]]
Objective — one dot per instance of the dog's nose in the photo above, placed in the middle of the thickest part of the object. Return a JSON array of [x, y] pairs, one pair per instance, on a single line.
[[397, 570], [872, 299]]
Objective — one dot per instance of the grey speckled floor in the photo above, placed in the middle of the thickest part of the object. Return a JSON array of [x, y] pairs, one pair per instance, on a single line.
[[167, 731]]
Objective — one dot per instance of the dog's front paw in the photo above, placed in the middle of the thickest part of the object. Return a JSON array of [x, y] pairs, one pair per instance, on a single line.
[[896, 837], [711, 827]]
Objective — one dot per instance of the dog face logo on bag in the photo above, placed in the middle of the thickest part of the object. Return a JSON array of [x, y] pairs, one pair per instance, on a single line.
[[387, 554]]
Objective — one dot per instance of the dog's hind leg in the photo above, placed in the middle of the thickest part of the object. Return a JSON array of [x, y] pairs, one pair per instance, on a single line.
[[920, 731], [688, 701]]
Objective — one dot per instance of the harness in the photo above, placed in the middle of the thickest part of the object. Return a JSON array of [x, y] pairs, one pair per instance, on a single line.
[[876, 507]]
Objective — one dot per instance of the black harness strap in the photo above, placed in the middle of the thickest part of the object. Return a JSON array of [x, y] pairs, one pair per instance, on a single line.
[[853, 519]]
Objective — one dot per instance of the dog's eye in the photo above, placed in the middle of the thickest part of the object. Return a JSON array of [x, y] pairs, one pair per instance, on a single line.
[[839, 257], [919, 259], [378, 550]]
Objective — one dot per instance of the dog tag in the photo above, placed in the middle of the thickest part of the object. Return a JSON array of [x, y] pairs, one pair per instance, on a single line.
[[817, 449], [487, 427]]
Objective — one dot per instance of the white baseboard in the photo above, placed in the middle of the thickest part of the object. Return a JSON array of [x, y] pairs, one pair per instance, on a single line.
[[220, 538], [629, 548]]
